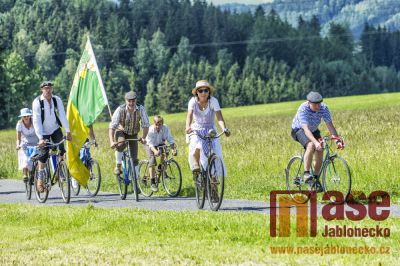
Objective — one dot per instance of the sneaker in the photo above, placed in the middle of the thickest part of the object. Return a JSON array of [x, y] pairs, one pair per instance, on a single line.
[[25, 179], [154, 187], [40, 186], [118, 169], [74, 183], [308, 177]]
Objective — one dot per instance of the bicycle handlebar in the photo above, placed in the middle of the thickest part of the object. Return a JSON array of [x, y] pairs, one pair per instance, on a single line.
[[209, 135], [50, 144], [126, 140], [90, 143]]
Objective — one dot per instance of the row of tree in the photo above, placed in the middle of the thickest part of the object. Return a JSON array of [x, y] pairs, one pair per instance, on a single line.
[[161, 50]]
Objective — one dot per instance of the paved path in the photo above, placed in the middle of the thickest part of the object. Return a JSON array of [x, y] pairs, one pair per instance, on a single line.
[[13, 191]]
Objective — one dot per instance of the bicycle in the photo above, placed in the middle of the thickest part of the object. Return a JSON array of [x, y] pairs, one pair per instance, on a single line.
[[94, 181], [129, 175], [56, 171], [30, 182], [212, 179], [168, 170], [336, 176]]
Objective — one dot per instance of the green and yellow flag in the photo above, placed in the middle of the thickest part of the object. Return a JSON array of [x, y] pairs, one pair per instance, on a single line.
[[86, 101]]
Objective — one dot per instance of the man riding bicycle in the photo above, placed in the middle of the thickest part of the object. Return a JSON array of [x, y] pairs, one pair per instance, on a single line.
[[48, 117], [125, 124], [158, 134], [305, 131]]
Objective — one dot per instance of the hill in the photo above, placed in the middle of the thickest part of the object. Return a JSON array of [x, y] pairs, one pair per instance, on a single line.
[[355, 13]]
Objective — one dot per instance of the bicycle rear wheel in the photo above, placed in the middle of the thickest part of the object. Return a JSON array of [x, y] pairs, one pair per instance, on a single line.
[[133, 179], [75, 186], [144, 178], [336, 177], [200, 189], [215, 182], [294, 180], [172, 178], [42, 196], [94, 182], [64, 181]]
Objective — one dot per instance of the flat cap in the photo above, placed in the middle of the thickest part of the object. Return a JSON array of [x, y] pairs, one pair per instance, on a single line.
[[314, 97], [130, 95]]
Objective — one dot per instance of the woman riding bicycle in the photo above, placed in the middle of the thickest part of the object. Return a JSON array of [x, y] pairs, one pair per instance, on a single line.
[[203, 108], [305, 131], [158, 134], [26, 140]]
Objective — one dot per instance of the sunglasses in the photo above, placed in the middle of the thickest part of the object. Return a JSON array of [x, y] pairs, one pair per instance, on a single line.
[[203, 91]]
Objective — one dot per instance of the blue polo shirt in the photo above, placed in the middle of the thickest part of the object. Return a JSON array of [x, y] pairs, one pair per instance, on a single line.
[[305, 116]]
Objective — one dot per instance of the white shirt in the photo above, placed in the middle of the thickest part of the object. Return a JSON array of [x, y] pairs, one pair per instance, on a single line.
[[155, 138], [50, 123], [203, 118]]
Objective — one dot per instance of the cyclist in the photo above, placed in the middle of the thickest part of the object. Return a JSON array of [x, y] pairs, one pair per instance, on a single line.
[[158, 134], [305, 131], [26, 140], [125, 124], [48, 117], [203, 108]]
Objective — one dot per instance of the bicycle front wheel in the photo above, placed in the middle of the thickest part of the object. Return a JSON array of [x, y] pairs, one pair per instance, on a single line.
[[133, 179], [42, 196], [294, 180], [122, 186], [144, 181], [94, 182], [172, 178], [215, 182], [29, 183], [336, 177], [64, 181], [200, 189]]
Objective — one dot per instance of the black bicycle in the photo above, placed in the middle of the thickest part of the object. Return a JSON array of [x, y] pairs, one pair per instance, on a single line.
[[56, 172], [168, 170], [94, 181], [212, 179], [30, 182], [335, 174], [129, 176]]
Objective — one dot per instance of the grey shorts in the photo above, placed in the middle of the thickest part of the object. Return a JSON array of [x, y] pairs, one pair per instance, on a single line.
[[150, 155], [299, 136]]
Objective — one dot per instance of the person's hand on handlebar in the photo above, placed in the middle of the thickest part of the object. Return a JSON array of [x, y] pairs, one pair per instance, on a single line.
[[188, 130], [339, 142], [113, 145], [227, 132]]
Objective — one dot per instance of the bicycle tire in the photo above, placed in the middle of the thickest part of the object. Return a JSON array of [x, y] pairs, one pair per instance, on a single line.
[[294, 180], [200, 189], [133, 180], [42, 196], [171, 176], [94, 181], [76, 189], [144, 179], [64, 181], [122, 187], [336, 177], [30, 182], [215, 182]]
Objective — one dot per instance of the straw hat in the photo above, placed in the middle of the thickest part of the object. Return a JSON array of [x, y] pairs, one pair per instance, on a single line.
[[201, 84]]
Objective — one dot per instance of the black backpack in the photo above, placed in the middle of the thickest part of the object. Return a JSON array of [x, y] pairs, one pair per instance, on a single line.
[[41, 102]]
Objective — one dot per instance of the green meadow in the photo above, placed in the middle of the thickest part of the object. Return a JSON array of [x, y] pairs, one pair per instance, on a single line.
[[68, 235], [260, 146], [256, 155]]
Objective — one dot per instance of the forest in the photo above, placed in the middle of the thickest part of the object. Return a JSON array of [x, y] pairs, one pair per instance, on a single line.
[[160, 48]]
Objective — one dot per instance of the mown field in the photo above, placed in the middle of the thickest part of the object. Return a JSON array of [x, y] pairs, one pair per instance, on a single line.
[[256, 155], [44, 235], [260, 146]]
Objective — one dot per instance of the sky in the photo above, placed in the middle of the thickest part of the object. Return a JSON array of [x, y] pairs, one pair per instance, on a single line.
[[253, 2]]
